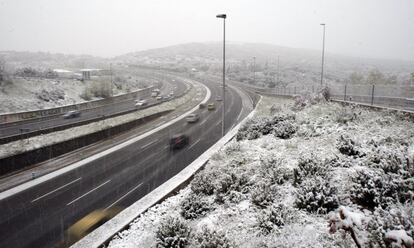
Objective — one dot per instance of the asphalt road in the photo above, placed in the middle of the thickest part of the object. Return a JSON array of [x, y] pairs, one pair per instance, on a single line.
[[39, 216], [7, 130]]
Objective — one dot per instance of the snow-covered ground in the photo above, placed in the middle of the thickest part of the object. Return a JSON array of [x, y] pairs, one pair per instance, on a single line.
[[296, 175]]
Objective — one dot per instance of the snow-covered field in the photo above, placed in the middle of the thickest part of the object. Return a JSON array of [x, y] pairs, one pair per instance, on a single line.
[[320, 175]]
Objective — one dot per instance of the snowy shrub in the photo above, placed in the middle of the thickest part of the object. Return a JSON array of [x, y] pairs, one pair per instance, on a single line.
[[348, 146], [232, 148], [371, 189], [194, 206], [285, 129], [392, 159], [308, 165], [275, 109], [229, 182], [172, 233], [211, 239], [203, 182], [279, 175], [273, 218], [397, 218], [261, 195], [345, 115], [315, 195], [282, 124]]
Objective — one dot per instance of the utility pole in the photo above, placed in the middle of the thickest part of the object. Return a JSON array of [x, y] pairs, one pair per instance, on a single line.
[[323, 51], [110, 69], [278, 70], [254, 70], [224, 16]]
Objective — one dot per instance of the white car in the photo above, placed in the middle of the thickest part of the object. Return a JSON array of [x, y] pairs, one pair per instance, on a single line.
[[191, 118], [141, 103]]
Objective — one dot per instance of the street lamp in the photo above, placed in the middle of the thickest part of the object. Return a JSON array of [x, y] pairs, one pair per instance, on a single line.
[[254, 70], [323, 51], [224, 16]]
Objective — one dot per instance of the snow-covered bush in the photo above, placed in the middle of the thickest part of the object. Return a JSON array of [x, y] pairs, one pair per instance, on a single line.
[[308, 165], [392, 159], [316, 195], [282, 125], [397, 218], [346, 115], [172, 233], [208, 238], [371, 189], [273, 217], [348, 146], [273, 169], [229, 181], [261, 194], [285, 129], [203, 182], [194, 206], [232, 148]]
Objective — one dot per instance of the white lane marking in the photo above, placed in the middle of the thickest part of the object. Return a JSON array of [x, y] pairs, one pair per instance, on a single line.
[[123, 196], [203, 122], [238, 117], [49, 176], [193, 144], [53, 191], [147, 145], [88, 192]]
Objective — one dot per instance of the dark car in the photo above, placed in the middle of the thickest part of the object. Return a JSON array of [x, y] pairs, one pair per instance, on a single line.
[[179, 141], [72, 114]]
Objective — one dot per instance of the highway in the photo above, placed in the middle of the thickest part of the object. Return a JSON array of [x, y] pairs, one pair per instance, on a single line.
[[11, 129], [39, 216]]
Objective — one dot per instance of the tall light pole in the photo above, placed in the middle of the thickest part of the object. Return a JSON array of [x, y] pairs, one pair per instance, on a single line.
[[277, 81], [323, 51], [224, 16], [254, 70]]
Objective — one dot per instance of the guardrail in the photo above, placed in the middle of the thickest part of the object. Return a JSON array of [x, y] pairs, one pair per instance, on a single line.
[[22, 160], [12, 118]]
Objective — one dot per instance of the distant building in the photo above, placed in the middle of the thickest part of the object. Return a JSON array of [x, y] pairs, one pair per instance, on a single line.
[[86, 73]]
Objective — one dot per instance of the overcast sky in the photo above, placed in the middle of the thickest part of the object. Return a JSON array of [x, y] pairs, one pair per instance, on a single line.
[[363, 28]]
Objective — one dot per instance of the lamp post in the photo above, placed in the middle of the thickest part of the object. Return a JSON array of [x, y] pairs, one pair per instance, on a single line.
[[323, 51], [224, 16], [254, 70]]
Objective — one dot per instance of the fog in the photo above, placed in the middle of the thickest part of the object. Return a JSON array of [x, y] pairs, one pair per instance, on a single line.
[[369, 28]]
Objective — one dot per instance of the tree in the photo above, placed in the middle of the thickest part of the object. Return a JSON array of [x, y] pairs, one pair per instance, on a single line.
[[375, 77], [356, 78]]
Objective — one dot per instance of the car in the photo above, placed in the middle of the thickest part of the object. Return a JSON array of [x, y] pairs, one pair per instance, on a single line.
[[71, 114], [179, 141], [87, 224], [141, 103], [219, 99], [211, 106], [202, 105], [191, 118], [158, 98]]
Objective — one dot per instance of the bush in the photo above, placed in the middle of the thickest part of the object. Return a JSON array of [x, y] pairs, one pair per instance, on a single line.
[[285, 129], [371, 189], [203, 182], [399, 217], [282, 124], [194, 206], [261, 195], [272, 218], [345, 115], [348, 146], [308, 165], [172, 233], [211, 239], [315, 195], [391, 160]]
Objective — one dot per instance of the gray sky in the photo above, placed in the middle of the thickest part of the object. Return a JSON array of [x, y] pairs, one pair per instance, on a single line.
[[363, 28]]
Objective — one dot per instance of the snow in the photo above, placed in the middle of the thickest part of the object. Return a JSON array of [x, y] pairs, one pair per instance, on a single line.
[[399, 238], [320, 126]]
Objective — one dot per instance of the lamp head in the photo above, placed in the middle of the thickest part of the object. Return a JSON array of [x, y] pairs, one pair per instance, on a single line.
[[221, 16]]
